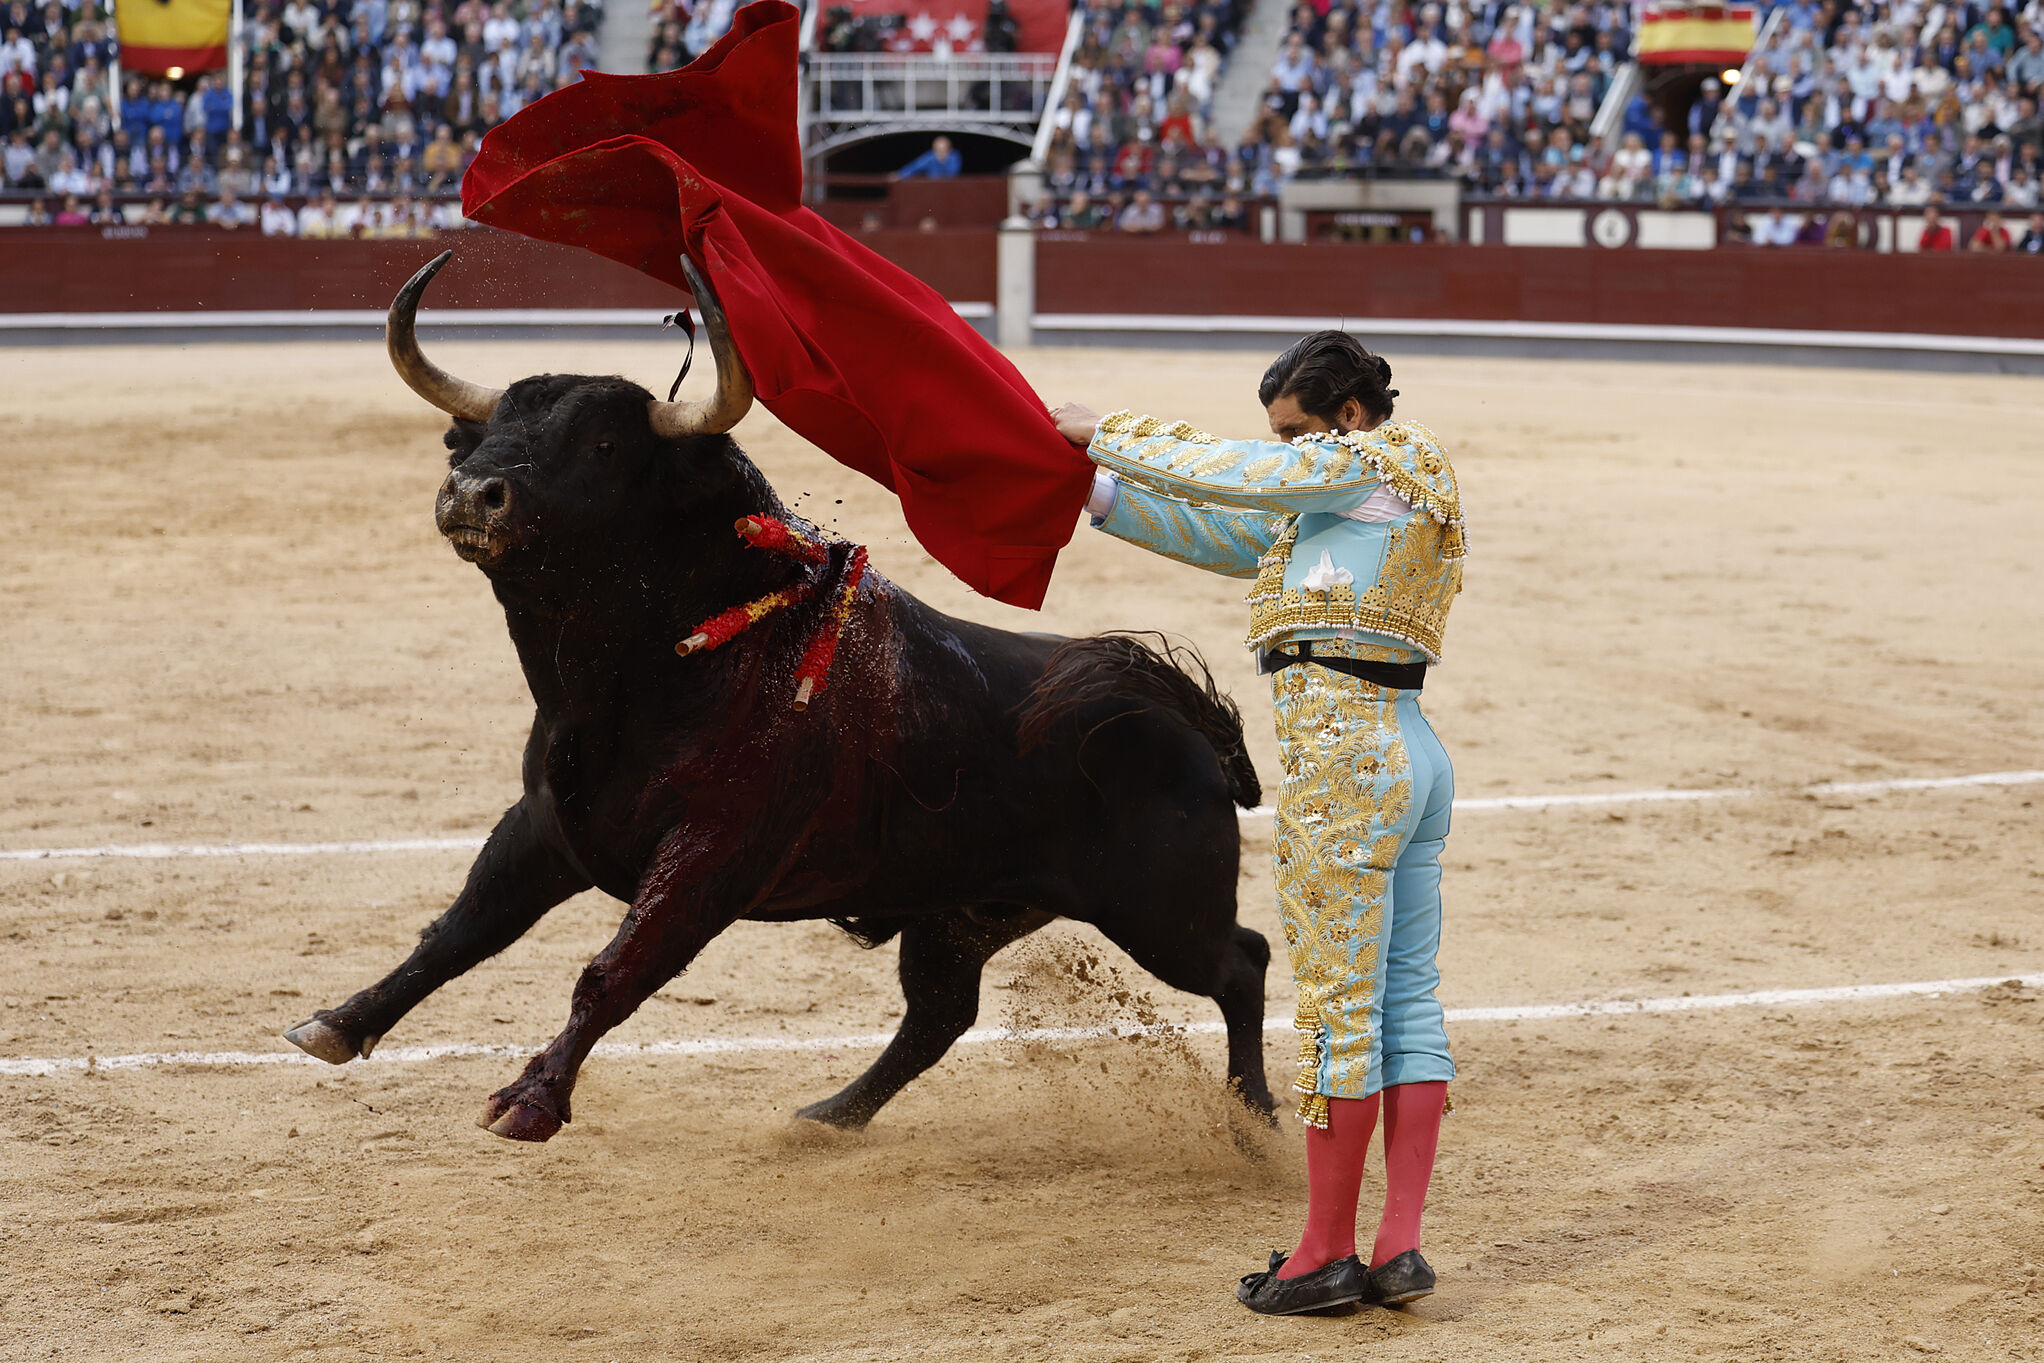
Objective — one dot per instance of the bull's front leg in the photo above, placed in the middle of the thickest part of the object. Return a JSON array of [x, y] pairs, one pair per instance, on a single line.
[[512, 884], [699, 883]]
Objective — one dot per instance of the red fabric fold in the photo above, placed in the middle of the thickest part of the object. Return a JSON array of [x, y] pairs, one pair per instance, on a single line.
[[852, 352]]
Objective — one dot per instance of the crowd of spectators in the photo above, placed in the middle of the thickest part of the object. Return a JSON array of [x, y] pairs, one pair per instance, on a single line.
[[1890, 102], [1895, 103], [1903, 104], [1501, 94], [678, 29], [1131, 147], [354, 116]]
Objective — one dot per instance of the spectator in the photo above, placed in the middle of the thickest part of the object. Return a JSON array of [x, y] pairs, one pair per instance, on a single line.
[[1001, 30], [2022, 190], [1144, 214], [1292, 74], [2033, 236], [940, 162], [1937, 234], [229, 213], [71, 215], [38, 214], [18, 162], [442, 160], [1775, 228], [1231, 216], [364, 218], [277, 218], [188, 211], [277, 181], [319, 219], [1992, 234], [1081, 214], [105, 212]]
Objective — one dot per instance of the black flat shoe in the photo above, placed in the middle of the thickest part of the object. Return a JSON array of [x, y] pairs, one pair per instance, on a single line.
[[1406, 1278], [1337, 1284]]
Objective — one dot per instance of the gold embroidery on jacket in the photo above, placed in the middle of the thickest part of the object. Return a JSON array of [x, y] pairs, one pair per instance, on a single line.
[[1404, 454], [1409, 601], [1422, 566]]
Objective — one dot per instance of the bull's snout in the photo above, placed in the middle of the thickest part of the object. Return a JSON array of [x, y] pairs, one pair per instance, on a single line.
[[474, 513]]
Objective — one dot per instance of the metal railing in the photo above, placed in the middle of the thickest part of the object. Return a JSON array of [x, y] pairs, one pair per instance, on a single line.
[[1075, 28], [849, 96], [1759, 50]]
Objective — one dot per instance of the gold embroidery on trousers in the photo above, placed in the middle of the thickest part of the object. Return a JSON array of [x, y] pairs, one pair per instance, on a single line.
[[1344, 797]]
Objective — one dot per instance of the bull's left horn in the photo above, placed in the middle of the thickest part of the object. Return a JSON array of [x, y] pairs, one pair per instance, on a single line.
[[456, 397], [733, 399]]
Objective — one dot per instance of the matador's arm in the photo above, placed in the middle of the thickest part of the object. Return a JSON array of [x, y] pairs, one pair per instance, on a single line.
[[1220, 539], [1327, 473]]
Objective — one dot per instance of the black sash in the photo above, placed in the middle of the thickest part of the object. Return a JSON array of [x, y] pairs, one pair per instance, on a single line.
[[1402, 676]]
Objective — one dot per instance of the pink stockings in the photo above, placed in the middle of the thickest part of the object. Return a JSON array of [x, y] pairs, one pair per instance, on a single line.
[[1334, 1174]]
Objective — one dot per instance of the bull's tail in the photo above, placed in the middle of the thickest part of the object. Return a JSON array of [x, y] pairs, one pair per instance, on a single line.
[[1168, 677]]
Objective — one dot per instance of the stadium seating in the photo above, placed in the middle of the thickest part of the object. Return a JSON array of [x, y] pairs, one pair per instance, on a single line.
[[1131, 144], [1875, 104], [373, 106]]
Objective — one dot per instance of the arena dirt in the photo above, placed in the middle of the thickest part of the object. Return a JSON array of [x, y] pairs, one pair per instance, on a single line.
[[225, 615]]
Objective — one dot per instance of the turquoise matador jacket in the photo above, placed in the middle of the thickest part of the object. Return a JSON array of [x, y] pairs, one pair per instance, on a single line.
[[1275, 512]]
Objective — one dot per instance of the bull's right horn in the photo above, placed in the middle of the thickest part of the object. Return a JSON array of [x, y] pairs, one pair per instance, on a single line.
[[456, 397], [727, 406]]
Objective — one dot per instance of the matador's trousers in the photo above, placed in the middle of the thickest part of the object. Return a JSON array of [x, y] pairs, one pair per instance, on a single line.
[[1361, 819]]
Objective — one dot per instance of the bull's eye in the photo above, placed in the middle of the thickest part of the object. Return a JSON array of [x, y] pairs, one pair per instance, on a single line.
[[605, 447]]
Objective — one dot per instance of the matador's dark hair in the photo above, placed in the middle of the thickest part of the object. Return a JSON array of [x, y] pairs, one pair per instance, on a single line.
[[1324, 370]]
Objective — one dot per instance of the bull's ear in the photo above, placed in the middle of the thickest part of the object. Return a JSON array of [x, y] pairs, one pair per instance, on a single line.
[[461, 440]]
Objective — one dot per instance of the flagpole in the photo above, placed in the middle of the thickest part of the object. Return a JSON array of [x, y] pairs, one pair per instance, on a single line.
[[235, 73]]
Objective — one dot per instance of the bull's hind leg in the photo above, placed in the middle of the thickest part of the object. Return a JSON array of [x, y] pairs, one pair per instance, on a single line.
[[513, 883], [1199, 947], [941, 962]]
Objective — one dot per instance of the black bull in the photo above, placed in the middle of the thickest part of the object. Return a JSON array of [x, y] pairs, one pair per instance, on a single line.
[[956, 785]]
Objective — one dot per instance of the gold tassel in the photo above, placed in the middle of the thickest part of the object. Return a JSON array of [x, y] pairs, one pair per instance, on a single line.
[[1313, 1110], [1447, 1101]]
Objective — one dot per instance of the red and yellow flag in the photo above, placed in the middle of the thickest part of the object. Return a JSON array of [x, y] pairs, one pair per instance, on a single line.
[[173, 38], [1677, 32]]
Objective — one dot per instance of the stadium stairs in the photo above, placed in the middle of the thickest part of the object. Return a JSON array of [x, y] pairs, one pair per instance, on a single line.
[[1247, 74], [621, 41]]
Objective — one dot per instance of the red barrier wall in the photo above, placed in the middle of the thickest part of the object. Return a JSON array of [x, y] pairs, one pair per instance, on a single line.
[[968, 201], [182, 269], [1968, 295]]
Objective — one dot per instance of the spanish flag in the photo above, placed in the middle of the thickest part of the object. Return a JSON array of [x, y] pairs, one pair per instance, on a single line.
[[1680, 33], [174, 38]]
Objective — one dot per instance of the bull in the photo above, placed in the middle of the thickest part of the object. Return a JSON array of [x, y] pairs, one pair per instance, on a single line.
[[954, 785]]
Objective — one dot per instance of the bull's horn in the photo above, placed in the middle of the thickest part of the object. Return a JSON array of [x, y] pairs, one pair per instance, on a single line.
[[456, 397], [733, 399]]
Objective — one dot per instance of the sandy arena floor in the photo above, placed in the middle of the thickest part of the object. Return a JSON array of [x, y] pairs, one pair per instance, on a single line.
[[226, 616]]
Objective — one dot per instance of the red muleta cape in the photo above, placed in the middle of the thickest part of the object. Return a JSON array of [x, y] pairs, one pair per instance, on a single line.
[[855, 354]]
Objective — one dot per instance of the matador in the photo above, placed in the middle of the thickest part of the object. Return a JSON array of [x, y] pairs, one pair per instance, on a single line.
[[1350, 526]]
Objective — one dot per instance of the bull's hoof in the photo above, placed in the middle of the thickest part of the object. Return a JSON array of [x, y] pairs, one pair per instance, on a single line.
[[519, 1122], [835, 1113], [327, 1042]]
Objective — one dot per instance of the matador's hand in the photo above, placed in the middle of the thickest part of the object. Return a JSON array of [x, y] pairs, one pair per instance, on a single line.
[[1076, 422]]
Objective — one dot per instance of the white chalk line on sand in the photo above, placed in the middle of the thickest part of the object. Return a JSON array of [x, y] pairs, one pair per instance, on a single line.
[[867, 1041], [163, 851]]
